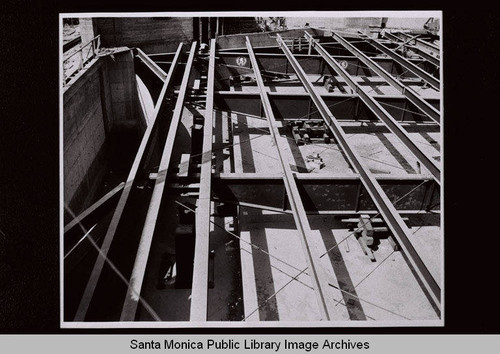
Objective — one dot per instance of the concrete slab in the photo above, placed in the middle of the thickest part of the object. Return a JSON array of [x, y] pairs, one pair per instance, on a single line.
[[386, 288], [279, 297]]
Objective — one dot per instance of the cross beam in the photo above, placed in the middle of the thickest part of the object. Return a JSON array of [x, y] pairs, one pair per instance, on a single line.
[[152, 65], [386, 208], [412, 96], [431, 80], [380, 112], [415, 48], [315, 271]]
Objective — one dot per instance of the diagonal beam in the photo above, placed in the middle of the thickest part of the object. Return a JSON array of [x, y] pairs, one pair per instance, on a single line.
[[108, 239], [316, 272], [431, 80], [432, 48], [415, 48], [412, 96], [386, 208], [152, 65], [380, 112], [199, 293], [94, 207], [135, 284]]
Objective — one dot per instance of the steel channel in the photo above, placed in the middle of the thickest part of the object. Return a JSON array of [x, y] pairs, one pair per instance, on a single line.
[[199, 294], [384, 205], [315, 271], [381, 113], [412, 96], [136, 279]]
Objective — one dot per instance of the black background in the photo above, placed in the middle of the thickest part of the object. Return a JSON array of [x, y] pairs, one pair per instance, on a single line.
[[29, 165]]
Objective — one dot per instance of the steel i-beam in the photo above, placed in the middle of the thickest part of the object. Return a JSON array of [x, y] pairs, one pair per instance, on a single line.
[[419, 42], [199, 294], [152, 65], [412, 96], [379, 112], [136, 279], [422, 53], [431, 80], [315, 271], [113, 225], [384, 205]]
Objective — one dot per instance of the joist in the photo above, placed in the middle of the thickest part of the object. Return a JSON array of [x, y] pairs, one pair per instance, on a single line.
[[199, 294], [409, 93], [141, 260], [110, 233], [418, 50], [316, 273], [389, 213], [424, 75], [431, 48], [380, 112]]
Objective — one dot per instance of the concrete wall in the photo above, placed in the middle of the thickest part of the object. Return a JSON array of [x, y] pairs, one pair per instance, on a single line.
[[101, 100], [151, 34]]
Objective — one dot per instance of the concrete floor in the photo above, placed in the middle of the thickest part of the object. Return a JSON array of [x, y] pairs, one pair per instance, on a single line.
[[370, 290]]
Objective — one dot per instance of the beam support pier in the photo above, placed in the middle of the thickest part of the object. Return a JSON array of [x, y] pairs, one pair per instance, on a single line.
[[384, 205]]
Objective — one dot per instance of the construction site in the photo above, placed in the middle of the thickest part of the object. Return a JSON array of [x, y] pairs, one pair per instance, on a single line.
[[251, 171]]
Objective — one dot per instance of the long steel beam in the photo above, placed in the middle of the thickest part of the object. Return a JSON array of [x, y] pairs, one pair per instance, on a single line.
[[431, 80], [420, 42], [380, 112], [315, 271], [199, 294], [152, 65], [412, 96], [94, 207], [136, 279], [386, 208], [406, 43], [98, 266]]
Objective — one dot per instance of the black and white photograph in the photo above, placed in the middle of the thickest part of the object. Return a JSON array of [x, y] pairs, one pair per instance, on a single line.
[[251, 169]]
